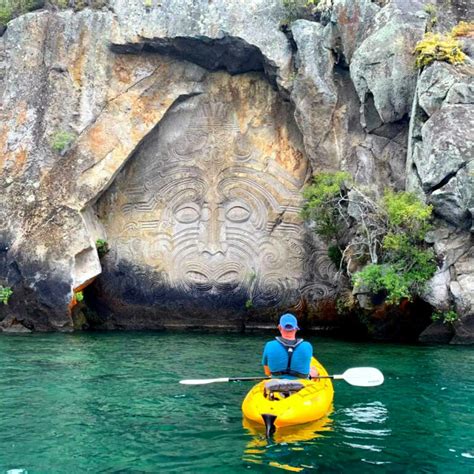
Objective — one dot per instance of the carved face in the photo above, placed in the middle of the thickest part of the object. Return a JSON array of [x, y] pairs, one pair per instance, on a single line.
[[211, 204]]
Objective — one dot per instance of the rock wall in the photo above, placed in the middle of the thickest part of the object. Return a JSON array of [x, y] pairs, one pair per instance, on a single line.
[[204, 119]]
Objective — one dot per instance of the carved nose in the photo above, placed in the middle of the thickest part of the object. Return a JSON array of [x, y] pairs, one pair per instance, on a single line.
[[213, 242], [215, 248]]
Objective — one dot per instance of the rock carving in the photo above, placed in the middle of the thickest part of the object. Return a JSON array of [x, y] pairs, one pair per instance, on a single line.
[[202, 206]]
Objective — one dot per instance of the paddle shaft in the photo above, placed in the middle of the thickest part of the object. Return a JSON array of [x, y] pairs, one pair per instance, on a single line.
[[246, 379], [358, 376]]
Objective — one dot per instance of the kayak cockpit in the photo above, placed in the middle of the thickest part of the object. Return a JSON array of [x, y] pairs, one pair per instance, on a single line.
[[276, 389]]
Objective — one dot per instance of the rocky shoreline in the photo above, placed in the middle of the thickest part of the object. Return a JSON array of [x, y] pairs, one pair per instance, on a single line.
[[132, 124]]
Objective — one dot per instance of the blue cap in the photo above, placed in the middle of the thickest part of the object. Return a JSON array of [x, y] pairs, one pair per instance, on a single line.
[[288, 322]]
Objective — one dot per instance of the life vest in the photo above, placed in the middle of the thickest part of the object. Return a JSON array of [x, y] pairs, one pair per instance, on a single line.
[[290, 350]]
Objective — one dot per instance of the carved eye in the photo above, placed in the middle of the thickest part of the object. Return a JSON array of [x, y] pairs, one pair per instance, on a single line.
[[187, 215], [229, 277], [238, 214], [197, 277]]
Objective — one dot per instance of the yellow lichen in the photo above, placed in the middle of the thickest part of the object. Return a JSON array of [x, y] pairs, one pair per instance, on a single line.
[[438, 47], [463, 29]]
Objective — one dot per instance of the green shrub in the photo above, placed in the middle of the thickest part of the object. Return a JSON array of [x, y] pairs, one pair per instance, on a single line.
[[375, 278], [14, 8], [447, 317], [79, 296], [61, 140], [389, 234], [321, 204], [102, 247], [5, 293], [405, 210], [335, 255], [6, 14], [406, 263], [438, 47], [77, 5], [249, 304], [431, 10], [62, 4]]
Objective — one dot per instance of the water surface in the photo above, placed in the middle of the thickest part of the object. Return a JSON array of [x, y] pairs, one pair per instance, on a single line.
[[111, 403]]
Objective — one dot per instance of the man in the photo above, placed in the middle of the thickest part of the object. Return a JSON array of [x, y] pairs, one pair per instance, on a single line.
[[287, 356]]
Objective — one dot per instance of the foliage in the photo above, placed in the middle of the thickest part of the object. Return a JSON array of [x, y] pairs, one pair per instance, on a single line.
[[77, 5], [102, 247], [321, 198], [406, 211], [61, 140], [406, 264], [438, 47], [463, 28], [6, 14], [13, 8], [345, 303], [79, 296], [431, 10], [375, 278], [447, 317], [249, 304], [60, 3], [335, 255], [388, 233], [5, 293], [299, 9]]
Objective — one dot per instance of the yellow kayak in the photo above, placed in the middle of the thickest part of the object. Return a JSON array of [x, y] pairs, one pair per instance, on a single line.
[[285, 408]]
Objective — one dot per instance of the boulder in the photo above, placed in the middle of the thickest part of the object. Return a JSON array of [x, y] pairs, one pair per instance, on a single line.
[[464, 330], [434, 85], [437, 333], [455, 200], [314, 92], [237, 36], [436, 292], [382, 67], [350, 20], [444, 161], [462, 286]]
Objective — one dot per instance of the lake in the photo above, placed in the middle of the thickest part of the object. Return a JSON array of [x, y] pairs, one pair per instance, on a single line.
[[111, 403]]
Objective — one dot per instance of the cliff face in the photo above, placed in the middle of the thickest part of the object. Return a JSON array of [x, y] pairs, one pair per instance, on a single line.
[[183, 132]]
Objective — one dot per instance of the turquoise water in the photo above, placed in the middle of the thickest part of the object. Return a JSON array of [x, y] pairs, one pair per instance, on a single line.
[[110, 403]]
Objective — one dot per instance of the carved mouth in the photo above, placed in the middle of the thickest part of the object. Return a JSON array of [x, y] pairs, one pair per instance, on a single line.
[[228, 276]]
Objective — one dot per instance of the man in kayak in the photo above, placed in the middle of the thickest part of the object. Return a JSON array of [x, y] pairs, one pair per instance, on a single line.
[[287, 356]]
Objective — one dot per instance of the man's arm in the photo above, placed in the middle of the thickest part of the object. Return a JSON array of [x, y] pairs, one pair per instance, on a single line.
[[313, 371], [265, 361]]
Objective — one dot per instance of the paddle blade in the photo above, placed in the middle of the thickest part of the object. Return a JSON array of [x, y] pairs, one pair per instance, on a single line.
[[363, 377], [202, 381]]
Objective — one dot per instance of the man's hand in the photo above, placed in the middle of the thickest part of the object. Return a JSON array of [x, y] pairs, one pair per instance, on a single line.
[[313, 372]]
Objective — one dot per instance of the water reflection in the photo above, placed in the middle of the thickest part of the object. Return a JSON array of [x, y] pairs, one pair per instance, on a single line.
[[292, 438], [361, 426]]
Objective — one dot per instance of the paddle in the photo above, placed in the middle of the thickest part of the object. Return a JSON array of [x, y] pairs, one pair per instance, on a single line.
[[358, 376]]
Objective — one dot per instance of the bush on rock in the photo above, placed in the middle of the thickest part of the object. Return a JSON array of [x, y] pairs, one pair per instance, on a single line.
[[381, 240], [438, 47]]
